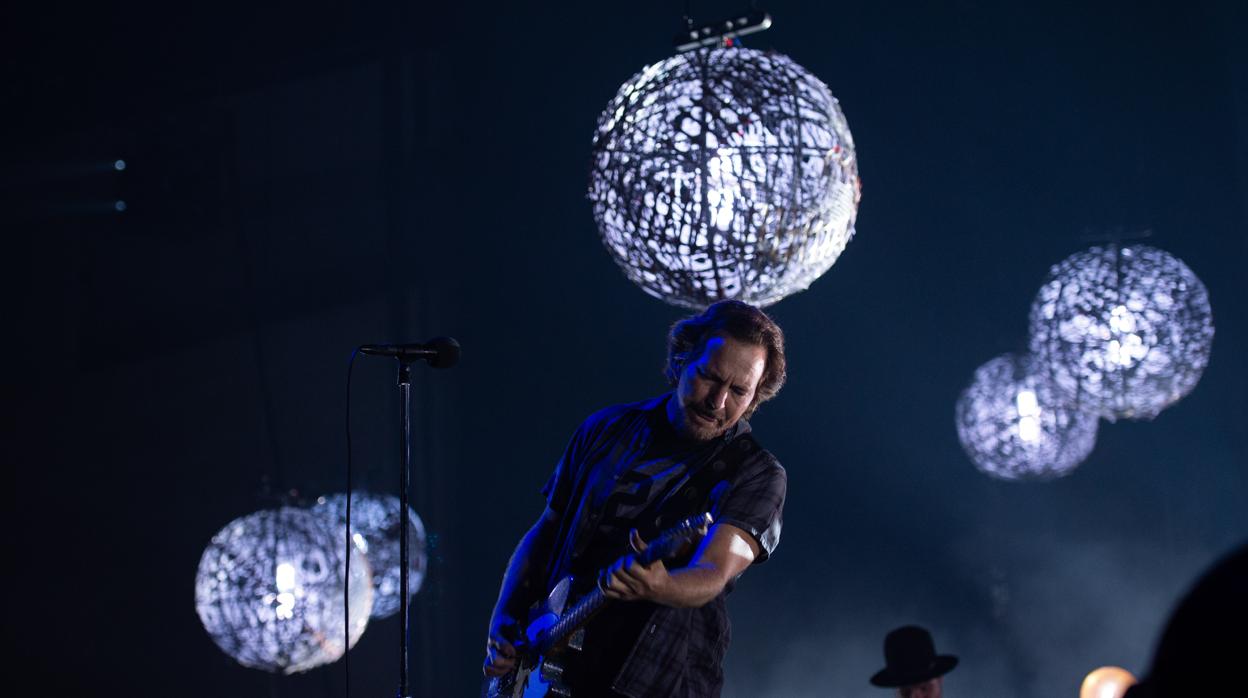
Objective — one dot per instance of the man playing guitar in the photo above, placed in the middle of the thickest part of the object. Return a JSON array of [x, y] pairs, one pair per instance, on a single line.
[[629, 472]]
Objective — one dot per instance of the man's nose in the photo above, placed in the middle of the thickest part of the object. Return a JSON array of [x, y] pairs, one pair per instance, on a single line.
[[717, 399]]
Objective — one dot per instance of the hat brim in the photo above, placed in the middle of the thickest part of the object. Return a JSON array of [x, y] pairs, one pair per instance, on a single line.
[[892, 678]]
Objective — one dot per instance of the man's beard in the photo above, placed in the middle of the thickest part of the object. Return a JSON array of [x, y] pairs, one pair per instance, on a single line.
[[698, 429]]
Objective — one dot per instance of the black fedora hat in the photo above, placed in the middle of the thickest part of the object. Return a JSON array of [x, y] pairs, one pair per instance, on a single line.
[[910, 657]]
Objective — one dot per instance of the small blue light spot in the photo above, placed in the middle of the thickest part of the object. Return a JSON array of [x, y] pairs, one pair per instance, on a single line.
[[119, 205], [119, 165]]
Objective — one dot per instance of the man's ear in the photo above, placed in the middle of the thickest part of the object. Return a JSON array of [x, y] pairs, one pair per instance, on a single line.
[[677, 367]]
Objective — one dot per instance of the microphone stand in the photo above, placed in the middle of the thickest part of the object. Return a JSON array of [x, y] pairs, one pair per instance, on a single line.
[[440, 352], [405, 482]]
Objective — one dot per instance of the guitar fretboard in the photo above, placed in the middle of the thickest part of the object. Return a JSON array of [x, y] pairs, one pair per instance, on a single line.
[[584, 609], [571, 620]]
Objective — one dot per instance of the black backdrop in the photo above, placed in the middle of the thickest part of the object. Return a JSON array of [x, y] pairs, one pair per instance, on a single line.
[[305, 177]]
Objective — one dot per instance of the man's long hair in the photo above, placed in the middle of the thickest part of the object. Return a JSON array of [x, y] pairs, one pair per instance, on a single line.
[[744, 323]]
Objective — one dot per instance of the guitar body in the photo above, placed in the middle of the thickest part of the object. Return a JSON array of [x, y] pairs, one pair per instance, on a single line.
[[535, 676]]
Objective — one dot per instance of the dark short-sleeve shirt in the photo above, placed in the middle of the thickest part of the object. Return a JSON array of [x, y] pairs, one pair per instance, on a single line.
[[626, 467]]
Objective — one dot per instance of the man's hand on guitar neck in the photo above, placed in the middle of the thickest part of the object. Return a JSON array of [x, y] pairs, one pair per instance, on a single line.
[[725, 553]]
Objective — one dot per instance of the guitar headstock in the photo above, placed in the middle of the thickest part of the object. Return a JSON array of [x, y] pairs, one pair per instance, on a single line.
[[669, 543]]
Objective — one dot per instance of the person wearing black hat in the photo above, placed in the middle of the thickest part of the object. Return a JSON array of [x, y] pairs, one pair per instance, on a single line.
[[912, 665]]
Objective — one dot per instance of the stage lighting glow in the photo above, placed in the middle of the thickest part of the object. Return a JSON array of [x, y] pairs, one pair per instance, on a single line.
[[375, 525], [1106, 682], [1124, 332], [119, 165], [119, 206], [724, 173], [1014, 425], [269, 591]]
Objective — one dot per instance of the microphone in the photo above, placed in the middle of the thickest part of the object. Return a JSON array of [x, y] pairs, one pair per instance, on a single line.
[[440, 352]]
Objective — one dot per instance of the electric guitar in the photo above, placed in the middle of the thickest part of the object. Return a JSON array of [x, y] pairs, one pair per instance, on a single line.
[[552, 629]]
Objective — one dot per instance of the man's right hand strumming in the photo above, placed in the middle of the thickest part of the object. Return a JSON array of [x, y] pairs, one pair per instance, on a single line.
[[531, 557], [500, 654]]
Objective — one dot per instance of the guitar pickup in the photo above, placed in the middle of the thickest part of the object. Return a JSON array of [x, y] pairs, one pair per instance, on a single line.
[[577, 640], [551, 672]]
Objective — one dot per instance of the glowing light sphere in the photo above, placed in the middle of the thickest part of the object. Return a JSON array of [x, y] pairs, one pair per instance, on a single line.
[[1015, 426], [1123, 331], [724, 173], [270, 590], [375, 526], [1106, 682]]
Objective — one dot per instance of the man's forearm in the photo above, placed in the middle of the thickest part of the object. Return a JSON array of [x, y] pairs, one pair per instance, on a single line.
[[693, 586], [519, 588], [723, 556]]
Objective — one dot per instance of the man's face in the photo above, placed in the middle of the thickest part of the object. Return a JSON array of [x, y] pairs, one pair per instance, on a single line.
[[716, 388], [928, 689]]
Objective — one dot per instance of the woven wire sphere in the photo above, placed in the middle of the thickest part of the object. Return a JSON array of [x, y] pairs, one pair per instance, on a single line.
[[724, 173], [375, 528], [1015, 426], [269, 591], [1123, 331]]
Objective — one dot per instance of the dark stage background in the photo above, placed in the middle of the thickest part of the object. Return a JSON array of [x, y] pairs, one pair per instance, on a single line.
[[305, 177]]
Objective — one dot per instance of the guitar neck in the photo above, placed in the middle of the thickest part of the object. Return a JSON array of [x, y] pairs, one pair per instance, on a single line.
[[573, 618], [591, 603]]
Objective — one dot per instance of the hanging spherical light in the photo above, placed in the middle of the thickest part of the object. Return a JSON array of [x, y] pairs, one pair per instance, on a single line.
[[270, 590], [1123, 331], [1014, 426], [724, 173], [375, 526]]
